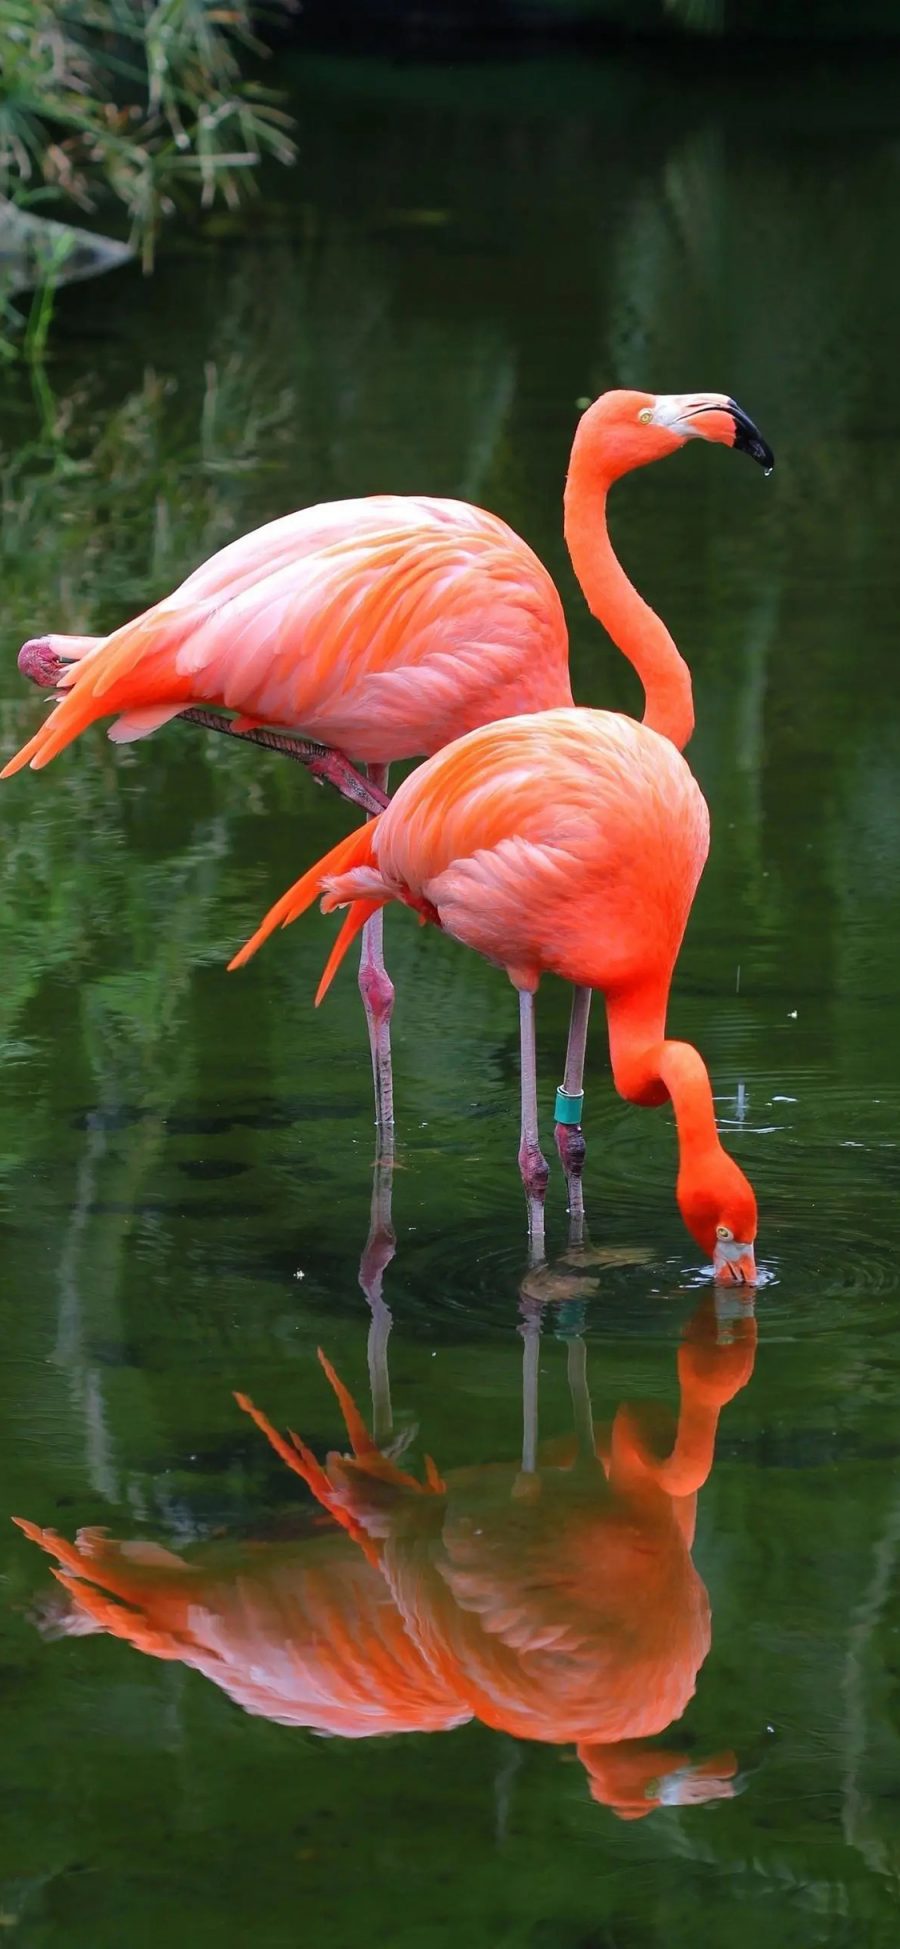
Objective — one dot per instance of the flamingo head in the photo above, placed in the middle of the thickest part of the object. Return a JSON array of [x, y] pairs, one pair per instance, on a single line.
[[719, 1209], [625, 430]]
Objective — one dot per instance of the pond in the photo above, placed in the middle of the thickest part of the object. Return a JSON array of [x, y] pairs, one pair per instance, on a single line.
[[461, 255]]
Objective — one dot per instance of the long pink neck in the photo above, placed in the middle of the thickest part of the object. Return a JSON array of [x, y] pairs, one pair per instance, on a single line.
[[647, 1068], [634, 627]]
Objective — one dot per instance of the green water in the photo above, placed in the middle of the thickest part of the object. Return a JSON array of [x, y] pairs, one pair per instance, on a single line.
[[186, 1156]]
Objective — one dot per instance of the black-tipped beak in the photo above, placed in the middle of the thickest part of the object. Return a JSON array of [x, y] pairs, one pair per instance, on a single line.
[[748, 439]]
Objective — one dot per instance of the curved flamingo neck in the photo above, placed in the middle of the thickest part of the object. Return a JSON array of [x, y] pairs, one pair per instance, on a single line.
[[647, 1068], [634, 627]]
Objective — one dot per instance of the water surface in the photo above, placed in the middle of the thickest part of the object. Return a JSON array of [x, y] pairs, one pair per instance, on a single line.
[[460, 257]]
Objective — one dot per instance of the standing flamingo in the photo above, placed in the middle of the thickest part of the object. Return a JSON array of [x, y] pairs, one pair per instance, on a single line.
[[384, 628], [571, 843]]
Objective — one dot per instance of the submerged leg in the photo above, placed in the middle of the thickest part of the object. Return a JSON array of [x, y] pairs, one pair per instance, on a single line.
[[530, 1330], [377, 991], [380, 1247], [569, 1101], [532, 1163], [576, 1364]]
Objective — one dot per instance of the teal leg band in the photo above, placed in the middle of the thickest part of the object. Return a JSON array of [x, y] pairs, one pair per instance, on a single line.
[[569, 1105], [569, 1319]]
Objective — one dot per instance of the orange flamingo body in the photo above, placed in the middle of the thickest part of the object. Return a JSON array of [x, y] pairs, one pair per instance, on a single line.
[[390, 625], [568, 842], [384, 627], [381, 628]]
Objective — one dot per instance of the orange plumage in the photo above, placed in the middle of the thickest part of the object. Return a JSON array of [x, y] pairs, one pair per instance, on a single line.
[[569, 842], [389, 627], [382, 627]]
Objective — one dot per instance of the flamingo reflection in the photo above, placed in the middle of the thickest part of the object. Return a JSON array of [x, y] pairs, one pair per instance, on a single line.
[[552, 1598]]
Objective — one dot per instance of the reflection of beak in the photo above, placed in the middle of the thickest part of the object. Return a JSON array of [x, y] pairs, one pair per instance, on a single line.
[[693, 1783], [734, 1265]]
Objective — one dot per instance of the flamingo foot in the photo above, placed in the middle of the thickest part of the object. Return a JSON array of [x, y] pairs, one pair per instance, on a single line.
[[535, 1174], [40, 661], [329, 767], [332, 768]]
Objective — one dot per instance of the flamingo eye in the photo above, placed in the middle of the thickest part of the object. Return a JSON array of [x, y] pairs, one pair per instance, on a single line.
[[645, 415], [725, 1233]]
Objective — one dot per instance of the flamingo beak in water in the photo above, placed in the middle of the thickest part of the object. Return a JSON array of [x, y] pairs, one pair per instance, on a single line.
[[734, 1264]]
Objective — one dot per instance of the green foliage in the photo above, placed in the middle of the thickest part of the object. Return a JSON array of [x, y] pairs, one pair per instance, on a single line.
[[135, 103]]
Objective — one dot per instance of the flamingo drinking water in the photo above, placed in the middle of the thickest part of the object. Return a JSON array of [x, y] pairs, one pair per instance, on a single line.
[[570, 843], [383, 629]]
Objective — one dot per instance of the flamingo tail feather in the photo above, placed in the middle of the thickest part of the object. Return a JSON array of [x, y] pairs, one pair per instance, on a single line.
[[355, 850], [358, 913], [152, 640]]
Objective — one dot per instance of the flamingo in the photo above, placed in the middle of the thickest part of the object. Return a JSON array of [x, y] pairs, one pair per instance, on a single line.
[[385, 628], [554, 1601], [569, 842]]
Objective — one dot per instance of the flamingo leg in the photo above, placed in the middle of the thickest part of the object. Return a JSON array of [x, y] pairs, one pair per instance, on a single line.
[[569, 1138], [379, 1250], [532, 1163], [327, 766], [40, 661], [377, 991]]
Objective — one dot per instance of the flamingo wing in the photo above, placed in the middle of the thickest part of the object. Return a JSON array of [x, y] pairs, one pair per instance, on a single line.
[[382, 627]]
